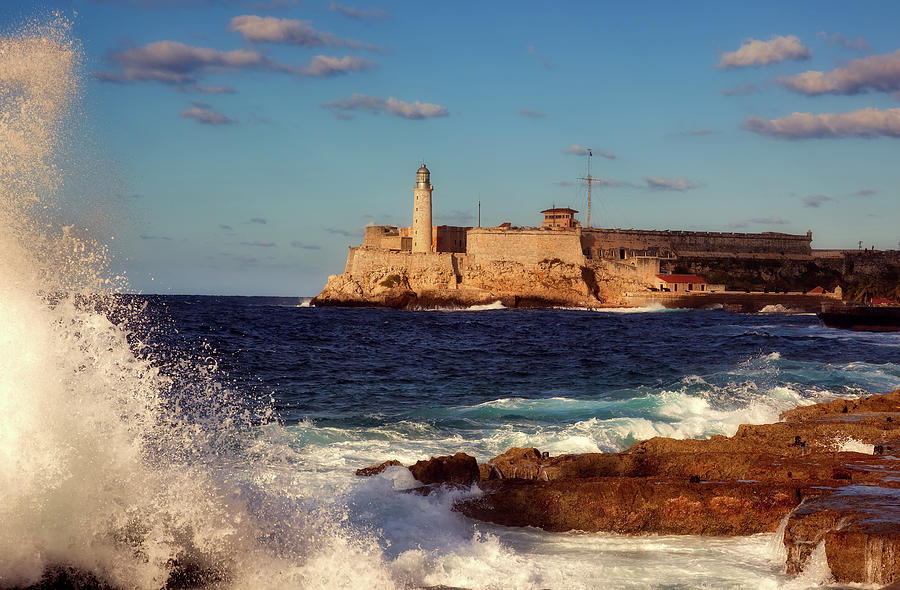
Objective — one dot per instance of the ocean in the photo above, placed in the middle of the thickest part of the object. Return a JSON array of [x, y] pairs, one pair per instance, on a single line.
[[211, 442], [261, 409]]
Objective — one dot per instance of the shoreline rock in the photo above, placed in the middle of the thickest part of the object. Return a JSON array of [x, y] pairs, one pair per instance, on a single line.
[[829, 468]]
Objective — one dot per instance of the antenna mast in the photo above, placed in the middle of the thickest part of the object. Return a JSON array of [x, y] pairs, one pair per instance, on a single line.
[[589, 189], [589, 182]]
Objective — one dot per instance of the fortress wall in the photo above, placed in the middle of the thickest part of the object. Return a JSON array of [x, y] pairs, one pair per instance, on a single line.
[[362, 261], [697, 242], [527, 246]]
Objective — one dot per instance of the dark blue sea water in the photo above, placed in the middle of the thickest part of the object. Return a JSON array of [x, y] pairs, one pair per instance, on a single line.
[[225, 432], [353, 387], [370, 367]]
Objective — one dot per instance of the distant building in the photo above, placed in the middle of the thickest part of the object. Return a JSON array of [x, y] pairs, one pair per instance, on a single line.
[[560, 217], [680, 283], [882, 301]]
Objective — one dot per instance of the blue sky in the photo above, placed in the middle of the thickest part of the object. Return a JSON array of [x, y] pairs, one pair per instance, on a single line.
[[241, 145]]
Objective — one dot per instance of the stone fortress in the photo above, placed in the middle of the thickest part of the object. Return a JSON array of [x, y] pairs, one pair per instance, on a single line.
[[563, 263]]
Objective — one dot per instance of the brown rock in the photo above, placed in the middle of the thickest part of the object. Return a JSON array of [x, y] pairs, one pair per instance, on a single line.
[[516, 463], [459, 469], [874, 403], [860, 526], [376, 469], [735, 485], [634, 505]]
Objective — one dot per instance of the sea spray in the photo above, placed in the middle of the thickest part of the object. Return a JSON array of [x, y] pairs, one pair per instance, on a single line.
[[118, 465]]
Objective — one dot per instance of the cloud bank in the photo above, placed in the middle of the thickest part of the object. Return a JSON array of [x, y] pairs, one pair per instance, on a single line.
[[868, 122], [880, 73], [177, 64], [754, 52]]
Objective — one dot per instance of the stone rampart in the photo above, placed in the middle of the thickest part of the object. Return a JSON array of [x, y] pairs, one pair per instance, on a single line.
[[679, 242], [362, 261], [526, 246]]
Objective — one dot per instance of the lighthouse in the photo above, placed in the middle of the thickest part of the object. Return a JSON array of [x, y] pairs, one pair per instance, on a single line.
[[421, 238]]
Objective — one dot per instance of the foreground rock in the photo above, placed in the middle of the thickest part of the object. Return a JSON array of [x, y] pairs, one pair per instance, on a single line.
[[829, 468]]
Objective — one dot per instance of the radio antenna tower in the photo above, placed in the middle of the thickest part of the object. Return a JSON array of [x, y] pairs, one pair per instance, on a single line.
[[589, 180]]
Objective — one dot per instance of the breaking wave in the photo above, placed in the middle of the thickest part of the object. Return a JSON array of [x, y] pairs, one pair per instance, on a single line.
[[118, 467]]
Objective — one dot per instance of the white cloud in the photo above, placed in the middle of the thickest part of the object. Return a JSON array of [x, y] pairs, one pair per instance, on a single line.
[[673, 184], [578, 150], [532, 113], [816, 200], [754, 52], [357, 13], [391, 106], [868, 122], [269, 29], [880, 73], [206, 115], [305, 246], [545, 60], [176, 63], [322, 66], [858, 44], [739, 90], [205, 89], [769, 220]]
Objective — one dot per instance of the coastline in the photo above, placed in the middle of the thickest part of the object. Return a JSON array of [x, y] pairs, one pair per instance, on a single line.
[[824, 475]]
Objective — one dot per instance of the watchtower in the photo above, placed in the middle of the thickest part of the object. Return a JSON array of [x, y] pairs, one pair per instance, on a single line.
[[421, 238]]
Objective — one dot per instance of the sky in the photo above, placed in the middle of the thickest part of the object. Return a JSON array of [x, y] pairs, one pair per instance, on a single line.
[[240, 146]]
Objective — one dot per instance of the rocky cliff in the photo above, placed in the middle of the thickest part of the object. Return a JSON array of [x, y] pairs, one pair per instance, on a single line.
[[409, 280]]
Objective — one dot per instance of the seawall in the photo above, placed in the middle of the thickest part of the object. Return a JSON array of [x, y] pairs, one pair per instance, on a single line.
[[734, 301]]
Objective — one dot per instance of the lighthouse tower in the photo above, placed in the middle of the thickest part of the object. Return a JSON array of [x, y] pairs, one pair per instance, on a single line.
[[421, 239]]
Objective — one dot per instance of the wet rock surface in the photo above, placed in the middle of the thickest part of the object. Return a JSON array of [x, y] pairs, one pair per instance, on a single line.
[[832, 469], [458, 469]]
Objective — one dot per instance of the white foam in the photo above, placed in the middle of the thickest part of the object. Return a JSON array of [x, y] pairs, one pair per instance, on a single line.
[[777, 308], [851, 445], [486, 307], [108, 464], [651, 308]]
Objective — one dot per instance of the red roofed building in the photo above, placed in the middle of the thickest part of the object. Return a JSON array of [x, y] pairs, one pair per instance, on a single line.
[[817, 291], [680, 283], [882, 301]]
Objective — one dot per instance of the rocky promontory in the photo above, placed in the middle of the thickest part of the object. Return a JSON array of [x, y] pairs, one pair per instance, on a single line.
[[825, 473], [406, 280]]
